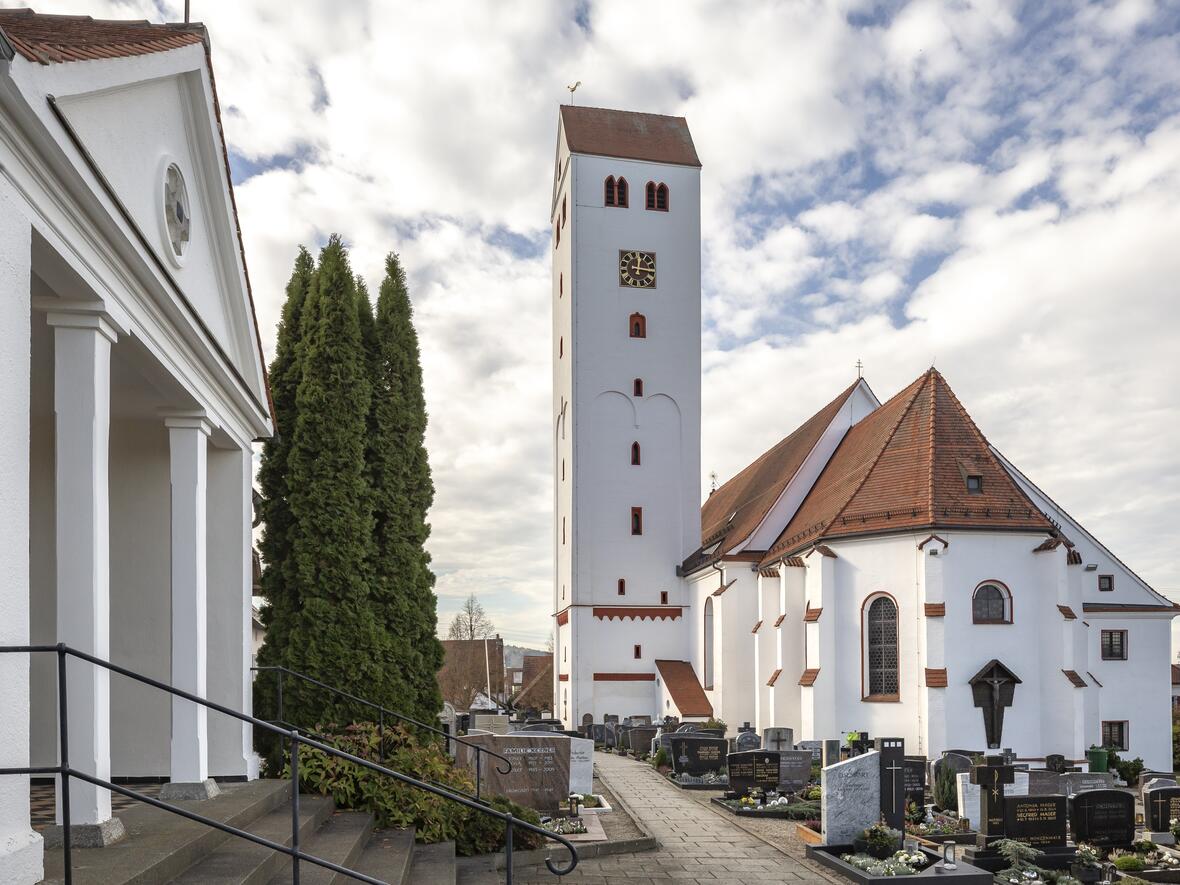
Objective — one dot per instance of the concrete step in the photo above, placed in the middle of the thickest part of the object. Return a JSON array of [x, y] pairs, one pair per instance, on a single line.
[[239, 862], [160, 845], [341, 840], [433, 864], [388, 856], [478, 871]]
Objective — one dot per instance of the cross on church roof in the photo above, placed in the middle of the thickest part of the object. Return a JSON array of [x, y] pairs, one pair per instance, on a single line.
[[859, 368]]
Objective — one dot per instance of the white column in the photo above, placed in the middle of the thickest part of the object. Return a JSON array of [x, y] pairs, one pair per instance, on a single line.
[[20, 846], [188, 439], [82, 406]]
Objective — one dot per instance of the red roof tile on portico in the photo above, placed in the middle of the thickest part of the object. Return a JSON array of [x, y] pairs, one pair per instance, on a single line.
[[60, 38], [685, 688], [905, 466]]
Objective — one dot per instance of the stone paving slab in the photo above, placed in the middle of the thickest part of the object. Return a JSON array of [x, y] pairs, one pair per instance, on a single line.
[[698, 846]]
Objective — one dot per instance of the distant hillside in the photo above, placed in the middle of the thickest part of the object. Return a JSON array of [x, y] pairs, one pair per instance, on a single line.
[[514, 654]]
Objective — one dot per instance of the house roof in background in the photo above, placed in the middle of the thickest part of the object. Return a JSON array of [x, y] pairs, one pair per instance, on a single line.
[[629, 135]]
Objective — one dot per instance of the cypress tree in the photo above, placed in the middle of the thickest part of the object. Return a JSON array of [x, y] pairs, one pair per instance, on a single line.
[[402, 494], [275, 508], [336, 635]]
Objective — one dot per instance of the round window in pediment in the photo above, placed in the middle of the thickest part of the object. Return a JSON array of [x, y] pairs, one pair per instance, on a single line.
[[177, 220]]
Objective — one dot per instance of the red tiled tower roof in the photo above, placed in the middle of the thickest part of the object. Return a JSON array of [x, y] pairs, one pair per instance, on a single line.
[[610, 133], [905, 466]]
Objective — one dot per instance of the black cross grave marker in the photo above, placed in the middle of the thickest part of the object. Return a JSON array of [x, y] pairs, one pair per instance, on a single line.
[[893, 794], [991, 778]]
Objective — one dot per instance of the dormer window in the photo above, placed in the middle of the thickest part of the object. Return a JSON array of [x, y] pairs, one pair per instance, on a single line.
[[974, 484]]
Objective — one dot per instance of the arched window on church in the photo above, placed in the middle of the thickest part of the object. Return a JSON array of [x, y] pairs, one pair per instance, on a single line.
[[637, 387], [622, 587], [991, 604], [609, 192], [635, 453], [621, 193], [880, 637], [637, 520], [638, 325], [656, 196], [708, 645]]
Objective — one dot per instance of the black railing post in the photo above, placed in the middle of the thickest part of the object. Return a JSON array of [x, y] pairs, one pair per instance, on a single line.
[[280, 695], [63, 780], [295, 807], [381, 736], [478, 757], [508, 849]]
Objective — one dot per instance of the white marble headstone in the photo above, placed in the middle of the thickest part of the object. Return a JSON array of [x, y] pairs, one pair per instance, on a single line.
[[852, 797], [581, 765]]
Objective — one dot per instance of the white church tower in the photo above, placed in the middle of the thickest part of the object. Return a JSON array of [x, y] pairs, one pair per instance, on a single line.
[[626, 404]]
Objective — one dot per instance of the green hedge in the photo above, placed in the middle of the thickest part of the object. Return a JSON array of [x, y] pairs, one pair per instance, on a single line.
[[395, 804]]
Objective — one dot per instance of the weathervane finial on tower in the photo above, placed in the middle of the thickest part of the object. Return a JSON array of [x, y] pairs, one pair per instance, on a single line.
[[572, 90]]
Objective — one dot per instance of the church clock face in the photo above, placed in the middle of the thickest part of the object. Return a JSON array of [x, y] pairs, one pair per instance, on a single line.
[[637, 269]]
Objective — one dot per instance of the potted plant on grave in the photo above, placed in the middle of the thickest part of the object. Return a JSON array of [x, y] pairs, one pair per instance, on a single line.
[[879, 841], [1088, 866]]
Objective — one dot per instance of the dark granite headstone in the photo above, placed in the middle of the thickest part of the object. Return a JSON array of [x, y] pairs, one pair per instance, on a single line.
[[686, 728], [831, 753], [893, 795], [612, 735], [991, 777], [815, 748], [957, 763], [746, 726], [1103, 817], [794, 769], [610, 717], [1042, 782], [860, 743], [640, 738], [1161, 806], [753, 769], [748, 740], [698, 755], [1039, 821], [599, 733], [1055, 762], [914, 775], [587, 719], [711, 732], [641, 720]]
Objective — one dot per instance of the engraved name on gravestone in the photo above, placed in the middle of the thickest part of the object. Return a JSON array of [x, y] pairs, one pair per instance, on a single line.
[[753, 769], [698, 755], [581, 766], [1076, 782], [914, 775], [852, 797], [1103, 817], [1162, 806], [540, 775], [1039, 821], [794, 769]]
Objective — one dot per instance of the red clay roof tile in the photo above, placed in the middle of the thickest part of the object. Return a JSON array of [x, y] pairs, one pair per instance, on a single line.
[[809, 676], [628, 134], [682, 683], [935, 609], [46, 39], [936, 677], [1074, 678], [774, 677]]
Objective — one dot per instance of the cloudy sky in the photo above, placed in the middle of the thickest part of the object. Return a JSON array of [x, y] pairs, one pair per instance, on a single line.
[[991, 187]]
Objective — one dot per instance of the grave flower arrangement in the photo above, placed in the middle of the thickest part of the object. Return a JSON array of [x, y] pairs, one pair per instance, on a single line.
[[900, 863], [878, 841], [936, 826], [565, 826], [1174, 826]]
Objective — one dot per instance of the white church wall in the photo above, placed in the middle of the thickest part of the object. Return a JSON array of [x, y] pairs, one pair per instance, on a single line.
[[735, 674], [1136, 690], [932, 650], [766, 648], [786, 694]]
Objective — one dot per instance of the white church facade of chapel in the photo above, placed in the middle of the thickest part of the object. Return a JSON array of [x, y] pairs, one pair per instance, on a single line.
[[133, 388], [882, 568]]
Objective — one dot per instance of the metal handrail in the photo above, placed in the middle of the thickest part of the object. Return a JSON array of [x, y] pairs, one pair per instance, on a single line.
[[382, 713], [294, 852]]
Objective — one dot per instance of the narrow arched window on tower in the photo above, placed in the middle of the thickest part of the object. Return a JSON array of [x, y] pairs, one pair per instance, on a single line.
[[637, 387], [638, 325], [622, 587], [609, 193], [563, 210], [637, 520], [635, 453], [560, 284], [621, 187], [661, 197]]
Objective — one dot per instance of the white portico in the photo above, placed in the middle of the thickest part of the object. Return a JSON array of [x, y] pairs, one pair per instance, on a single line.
[[133, 387]]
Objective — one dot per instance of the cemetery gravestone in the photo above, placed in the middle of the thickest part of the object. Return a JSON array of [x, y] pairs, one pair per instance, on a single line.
[[599, 733], [1153, 783], [1076, 782], [1042, 782], [612, 735], [991, 778], [581, 766], [852, 797], [892, 754], [914, 779], [1103, 817], [778, 739], [753, 769], [640, 738], [641, 720], [697, 755], [710, 732], [748, 740], [610, 717], [686, 728], [1039, 821], [1162, 806], [496, 723], [1055, 762], [540, 775], [969, 793], [831, 753], [794, 772]]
